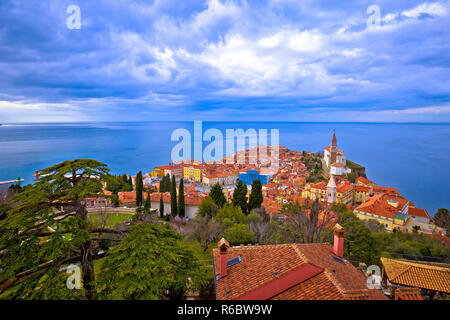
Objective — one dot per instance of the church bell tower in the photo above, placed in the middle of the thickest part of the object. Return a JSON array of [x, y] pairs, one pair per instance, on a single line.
[[333, 149]]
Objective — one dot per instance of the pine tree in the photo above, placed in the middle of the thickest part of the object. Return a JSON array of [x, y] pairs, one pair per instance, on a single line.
[[217, 195], [256, 196], [181, 206], [31, 267], [139, 190], [161, 207], [240, 196], [173, 197]]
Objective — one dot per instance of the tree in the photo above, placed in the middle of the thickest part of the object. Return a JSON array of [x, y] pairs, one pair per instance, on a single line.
[[147, 204], [139, 190], [263, 230], [256, 196], [240, 196], [306, 226], [359, 244], [173, 197], [207, 207], [442, 219], [130, 182], [48, 229], [4, 208], [230, 214], [116, 184], [161, 207], [239, 234], [181, 205], [164, 185], [159, 268], [217, 195], [204, 230]]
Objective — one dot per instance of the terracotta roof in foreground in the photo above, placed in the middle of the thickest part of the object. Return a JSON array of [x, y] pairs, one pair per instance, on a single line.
[[408, 294], [414, 274], [290, 272]]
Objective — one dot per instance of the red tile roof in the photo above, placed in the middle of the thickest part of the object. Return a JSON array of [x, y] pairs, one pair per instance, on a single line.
[[363, 180], [344, 188], [417, 274], [359, 188], [378, 204], [289, 271], [419, 212], [408, 294], [389, 190]]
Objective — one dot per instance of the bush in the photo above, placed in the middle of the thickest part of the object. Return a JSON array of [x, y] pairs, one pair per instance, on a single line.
[[239, 234]]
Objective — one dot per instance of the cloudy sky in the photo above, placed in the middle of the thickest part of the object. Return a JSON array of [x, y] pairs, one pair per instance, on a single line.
[[287, 60]]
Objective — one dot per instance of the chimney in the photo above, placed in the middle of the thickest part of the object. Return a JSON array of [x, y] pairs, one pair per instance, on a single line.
[[223, 248], [338, 248]]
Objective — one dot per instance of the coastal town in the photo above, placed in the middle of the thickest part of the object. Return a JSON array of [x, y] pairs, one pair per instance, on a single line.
[[314, 228], [302, 176]]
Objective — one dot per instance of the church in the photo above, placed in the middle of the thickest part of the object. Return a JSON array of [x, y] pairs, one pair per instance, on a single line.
[[335, 159]]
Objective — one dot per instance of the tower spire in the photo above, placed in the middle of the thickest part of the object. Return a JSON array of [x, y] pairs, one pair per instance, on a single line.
[[334, 140]]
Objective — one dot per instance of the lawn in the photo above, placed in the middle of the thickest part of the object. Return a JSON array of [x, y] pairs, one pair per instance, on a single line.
[[111, 218], [204, 257]]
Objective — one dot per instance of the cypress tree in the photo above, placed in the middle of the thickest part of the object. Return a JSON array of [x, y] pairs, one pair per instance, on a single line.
[[161, 207], [147, 204], [139, 190], [130, 182], [181, 206], [173, 197], [240, 196], [217, 195], [256, 197]]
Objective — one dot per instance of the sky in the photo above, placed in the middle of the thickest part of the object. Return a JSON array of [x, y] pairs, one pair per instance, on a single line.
[[225, 60]]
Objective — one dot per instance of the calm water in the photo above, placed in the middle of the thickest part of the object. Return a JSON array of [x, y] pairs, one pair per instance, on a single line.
[[414, 158]]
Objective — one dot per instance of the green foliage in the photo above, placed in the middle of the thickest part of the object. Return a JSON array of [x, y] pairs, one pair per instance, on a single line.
[[256, 196], [359, 244], [139, 190], [232, 213], [147, 204], [254, 217], [339, 208], [161, 207], [116, 184], [115, 201], [204, 230], [4, 208], [239, 233], [351, 177], [173, 197], [217, 195], [149, 261], [181, 205], [346, 216], [207, 207], [240, 196], [414, 245], [34, 250], [164, 185], [15, 188]]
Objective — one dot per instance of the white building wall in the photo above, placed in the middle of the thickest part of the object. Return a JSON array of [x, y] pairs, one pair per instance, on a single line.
[[190, 210]]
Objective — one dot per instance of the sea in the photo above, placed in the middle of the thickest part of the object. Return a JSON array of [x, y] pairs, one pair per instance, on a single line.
[[412, 157]]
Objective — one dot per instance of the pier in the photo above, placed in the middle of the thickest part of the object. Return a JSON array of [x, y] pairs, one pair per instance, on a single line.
[[11, 181]]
